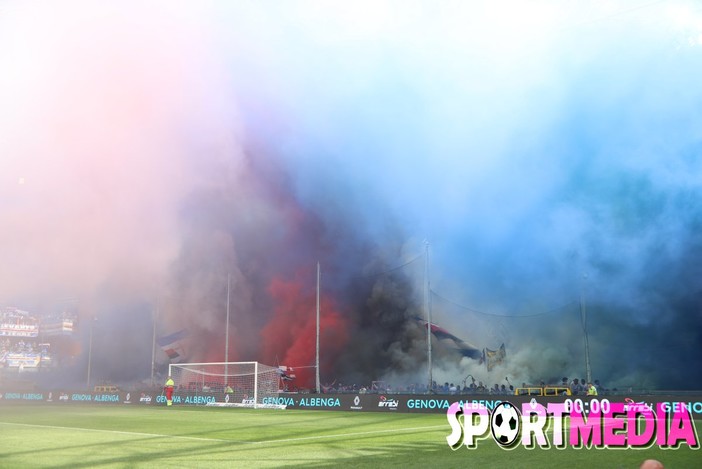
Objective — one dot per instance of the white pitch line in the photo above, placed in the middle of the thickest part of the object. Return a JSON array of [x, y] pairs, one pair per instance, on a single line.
[[284, 440], [152, 435], [337, 435]]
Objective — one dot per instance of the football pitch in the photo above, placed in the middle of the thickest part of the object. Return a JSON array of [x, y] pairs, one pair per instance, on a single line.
[[88, 436]]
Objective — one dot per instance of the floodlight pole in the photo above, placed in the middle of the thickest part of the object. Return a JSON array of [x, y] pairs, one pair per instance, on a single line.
[[583, 320], [427, 311], [226, 336], [317, 385], [153, 344], [90, 351]]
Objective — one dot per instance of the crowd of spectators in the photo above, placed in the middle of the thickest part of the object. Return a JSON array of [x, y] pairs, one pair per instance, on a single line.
[[19, 333], [417, 388], [577, 386], [580, 386], [17, 318], [22, 346], [25, 348]]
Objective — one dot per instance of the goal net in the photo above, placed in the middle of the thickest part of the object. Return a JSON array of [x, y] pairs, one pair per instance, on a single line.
[[245, 384]]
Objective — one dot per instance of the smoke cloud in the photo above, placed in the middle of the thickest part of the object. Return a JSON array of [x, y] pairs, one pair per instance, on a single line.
[[155, 157]]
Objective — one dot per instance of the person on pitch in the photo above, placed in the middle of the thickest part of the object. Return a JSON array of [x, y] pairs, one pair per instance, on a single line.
[[168, 388]]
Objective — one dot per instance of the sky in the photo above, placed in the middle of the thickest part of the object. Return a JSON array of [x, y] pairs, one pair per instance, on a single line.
[[517, 166]]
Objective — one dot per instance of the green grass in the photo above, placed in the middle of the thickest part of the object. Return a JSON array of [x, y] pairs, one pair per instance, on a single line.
[[33, 436]]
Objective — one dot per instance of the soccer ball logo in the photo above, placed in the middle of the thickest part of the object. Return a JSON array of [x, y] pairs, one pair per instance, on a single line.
[[504, 423]]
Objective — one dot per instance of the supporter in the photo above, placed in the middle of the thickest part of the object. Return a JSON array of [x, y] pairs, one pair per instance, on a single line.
[[575, 387], [599, 387]]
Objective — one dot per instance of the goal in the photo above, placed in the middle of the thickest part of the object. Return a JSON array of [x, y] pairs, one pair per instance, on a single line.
[[240, 384]]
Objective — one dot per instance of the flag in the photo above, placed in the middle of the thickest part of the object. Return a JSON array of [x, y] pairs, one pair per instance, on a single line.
[[495, 357], [453, 342], [172, 345]]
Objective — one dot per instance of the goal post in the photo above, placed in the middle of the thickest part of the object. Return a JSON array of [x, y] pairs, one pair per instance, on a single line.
[[240, 384]]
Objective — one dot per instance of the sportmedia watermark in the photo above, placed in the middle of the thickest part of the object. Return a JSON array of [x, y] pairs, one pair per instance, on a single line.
[[580, 424]]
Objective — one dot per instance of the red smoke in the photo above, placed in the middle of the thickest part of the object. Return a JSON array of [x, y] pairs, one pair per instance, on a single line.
[[290, 336]]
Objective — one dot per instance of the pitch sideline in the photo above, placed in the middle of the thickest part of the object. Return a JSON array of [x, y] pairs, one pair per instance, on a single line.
[[193, 438]]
